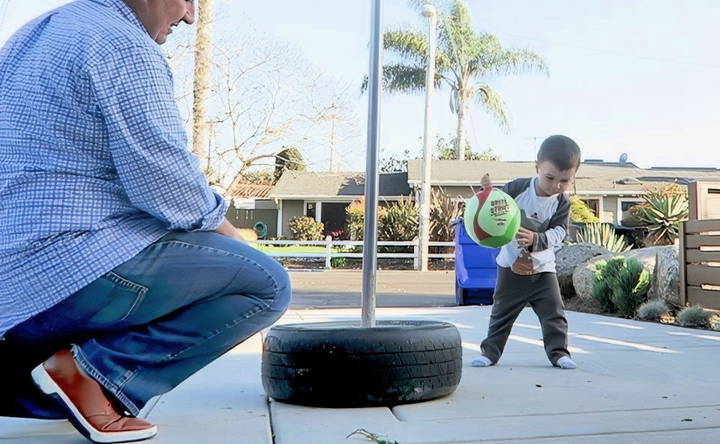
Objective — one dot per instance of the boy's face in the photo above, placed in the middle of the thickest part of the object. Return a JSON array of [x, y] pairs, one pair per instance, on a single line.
[[551, 180]]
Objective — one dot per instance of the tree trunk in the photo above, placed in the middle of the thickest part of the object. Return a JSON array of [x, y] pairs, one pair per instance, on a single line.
[[460, 137], [201, 83]]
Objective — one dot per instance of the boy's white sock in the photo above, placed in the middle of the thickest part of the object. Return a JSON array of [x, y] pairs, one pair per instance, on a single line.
[[566, 363], [482, 361]]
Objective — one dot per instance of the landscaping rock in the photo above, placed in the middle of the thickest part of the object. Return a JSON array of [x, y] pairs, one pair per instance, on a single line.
[[583, 274], [665, 283], [568, 258]]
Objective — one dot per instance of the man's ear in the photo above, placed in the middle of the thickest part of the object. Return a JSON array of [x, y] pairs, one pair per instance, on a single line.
[[537, 167]]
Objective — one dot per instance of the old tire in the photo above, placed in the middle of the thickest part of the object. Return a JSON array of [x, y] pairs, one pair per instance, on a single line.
[[342, 364]]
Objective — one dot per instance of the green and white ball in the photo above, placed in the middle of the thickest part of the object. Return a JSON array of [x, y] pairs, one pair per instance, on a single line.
[[491, 218]]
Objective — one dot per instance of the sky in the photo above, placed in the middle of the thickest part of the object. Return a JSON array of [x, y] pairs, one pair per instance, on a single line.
[[626, 76]]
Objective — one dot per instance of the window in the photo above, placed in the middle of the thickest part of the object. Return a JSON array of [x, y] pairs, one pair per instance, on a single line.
[[594, 205], [310, 209], [623, 208]]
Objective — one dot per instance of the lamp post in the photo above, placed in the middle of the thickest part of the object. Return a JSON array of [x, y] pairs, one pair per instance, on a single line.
[[371, 173], [428, 11]]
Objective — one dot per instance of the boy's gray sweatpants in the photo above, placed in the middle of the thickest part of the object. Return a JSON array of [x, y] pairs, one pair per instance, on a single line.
[[512, 293]]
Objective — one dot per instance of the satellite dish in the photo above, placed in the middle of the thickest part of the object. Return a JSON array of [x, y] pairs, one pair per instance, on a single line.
[[623, 157]]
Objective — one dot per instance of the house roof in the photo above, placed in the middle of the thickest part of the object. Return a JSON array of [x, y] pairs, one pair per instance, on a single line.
[[590, 179], [302, 184], [248, 191], [241, 188]]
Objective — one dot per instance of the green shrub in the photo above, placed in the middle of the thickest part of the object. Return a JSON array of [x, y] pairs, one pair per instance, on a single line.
[[603, 235], [338, 262], [580, 212], [631, 288], [399, 221], [355, 218], [620, 285], [694, 316], [653, 310], [601, 289], [306, 228], [442, 214], [716, 323]]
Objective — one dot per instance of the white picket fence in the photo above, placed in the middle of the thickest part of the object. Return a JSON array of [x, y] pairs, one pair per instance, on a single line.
[[329, 243]]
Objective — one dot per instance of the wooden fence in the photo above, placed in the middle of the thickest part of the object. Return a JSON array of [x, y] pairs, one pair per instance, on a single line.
[[700, 263]]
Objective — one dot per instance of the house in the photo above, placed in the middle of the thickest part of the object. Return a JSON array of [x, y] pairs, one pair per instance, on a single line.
[[609, 189], [324, 196], [251, 206]]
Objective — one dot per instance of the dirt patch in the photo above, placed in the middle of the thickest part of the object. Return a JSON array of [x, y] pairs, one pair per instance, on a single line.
[[578, 304]]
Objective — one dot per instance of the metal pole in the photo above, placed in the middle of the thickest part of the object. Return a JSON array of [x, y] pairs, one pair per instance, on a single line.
[[371, 175], [425, 188]]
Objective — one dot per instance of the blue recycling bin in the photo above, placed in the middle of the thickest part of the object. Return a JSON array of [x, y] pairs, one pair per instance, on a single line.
[[475, 269]]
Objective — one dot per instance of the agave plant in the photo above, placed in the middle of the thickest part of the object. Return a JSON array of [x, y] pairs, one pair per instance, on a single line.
[[662, 212], [603, 235]]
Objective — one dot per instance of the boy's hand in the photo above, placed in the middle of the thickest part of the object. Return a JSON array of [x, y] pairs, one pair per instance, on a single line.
[[525, 237], [485, 181]]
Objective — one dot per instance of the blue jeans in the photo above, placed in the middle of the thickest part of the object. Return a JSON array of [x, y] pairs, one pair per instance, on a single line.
[[146, 326]]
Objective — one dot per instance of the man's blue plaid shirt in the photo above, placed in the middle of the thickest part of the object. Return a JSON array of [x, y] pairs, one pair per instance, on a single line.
[[94, 164]]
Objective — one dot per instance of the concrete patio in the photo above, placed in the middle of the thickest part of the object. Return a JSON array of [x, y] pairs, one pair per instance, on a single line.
[[636, 383]]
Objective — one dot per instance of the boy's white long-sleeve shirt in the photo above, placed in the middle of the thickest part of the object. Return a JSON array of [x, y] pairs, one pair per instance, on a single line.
[[547, 216]]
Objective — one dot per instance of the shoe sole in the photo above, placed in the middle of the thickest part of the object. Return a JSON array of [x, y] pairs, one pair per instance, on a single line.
[[48, 386]]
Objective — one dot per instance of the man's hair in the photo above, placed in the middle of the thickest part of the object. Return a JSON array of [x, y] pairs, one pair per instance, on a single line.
[[562, 151]]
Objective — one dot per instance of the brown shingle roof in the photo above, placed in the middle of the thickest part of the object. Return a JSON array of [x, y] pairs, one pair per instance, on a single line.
[[248, 191]]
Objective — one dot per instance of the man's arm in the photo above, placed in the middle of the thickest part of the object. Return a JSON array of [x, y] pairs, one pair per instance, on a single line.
[[147, 141]]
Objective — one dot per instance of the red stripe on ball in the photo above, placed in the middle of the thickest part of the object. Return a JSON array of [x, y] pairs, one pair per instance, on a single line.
[[480, 234], [482, 197]]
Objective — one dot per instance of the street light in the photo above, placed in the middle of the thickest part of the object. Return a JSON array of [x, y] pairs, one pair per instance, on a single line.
[[428, 11], [371, 172]]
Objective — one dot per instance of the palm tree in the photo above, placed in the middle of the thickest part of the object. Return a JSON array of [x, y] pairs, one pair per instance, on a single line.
[[464, 60], [201, 83]]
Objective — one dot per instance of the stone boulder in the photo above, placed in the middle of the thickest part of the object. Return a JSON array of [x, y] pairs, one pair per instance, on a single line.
[[665, 283], [568, 258], [584, 274]]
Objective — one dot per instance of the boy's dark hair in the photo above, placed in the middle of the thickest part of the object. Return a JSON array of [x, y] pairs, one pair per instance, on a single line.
[[562, 151]]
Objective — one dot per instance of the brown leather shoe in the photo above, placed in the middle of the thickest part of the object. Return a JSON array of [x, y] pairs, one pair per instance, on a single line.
[[85, 403]]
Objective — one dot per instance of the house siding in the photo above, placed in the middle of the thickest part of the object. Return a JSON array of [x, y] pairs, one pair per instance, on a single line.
[[290, 209], [609, 213], [242, 218], [454, 192]]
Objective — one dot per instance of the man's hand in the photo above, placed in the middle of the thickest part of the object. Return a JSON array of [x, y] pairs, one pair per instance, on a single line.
[[525, 237], [227, 229], [485, 181]]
